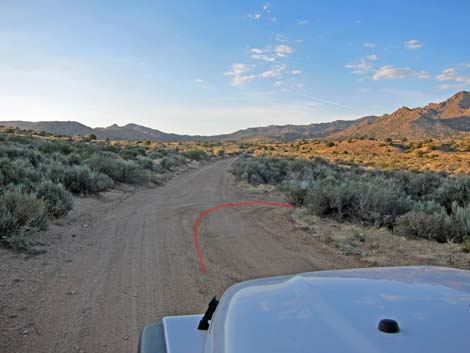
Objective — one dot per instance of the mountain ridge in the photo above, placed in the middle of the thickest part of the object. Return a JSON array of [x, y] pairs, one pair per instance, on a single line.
[[445, 119]]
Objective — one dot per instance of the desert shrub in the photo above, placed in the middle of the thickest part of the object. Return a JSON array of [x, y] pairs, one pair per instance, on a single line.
[[132, 152], [377, 202], [431, 205], [454, 189], [466, 244], [28, 211], [328, 198], [460, 222], [8, 223], [196, 155], [74, 159], [37, 176], [431, 220], [156, 154], [418, 185], [116, 168], [261, 170], [425, 225], [81, 179], [91, 137], [167, 163], [145, 163], [57, 199], [14, 152], [295, 192], [18, 171]]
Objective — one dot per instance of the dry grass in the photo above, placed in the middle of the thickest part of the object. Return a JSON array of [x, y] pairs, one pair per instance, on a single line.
[[451, 156], [380, 247]]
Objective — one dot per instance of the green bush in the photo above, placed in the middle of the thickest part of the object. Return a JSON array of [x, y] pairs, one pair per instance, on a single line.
[[145, 163], [80, 179], [196, 155], [425, 225], [27, 210], [454, 189], [38, 174], [431, 205], [57, 199], [91, 137], [8, 223], [466, 244], [116, 168]]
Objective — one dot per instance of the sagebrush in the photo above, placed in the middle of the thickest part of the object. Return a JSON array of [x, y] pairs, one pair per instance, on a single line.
[[428, 204]]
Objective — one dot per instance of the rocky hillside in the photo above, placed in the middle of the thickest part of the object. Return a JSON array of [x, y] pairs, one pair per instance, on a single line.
[[138, 132], [290, 132], [71, 128], [447, 119]]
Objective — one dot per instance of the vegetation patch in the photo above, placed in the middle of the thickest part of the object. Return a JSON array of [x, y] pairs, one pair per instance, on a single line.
[[428, 204], [39, 173]]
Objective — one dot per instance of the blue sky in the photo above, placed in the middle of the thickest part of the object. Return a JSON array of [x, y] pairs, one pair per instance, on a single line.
[[206, 67]]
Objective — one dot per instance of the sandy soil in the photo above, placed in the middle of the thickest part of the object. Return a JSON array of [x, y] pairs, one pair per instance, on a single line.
[[126, 259], [379, 247]]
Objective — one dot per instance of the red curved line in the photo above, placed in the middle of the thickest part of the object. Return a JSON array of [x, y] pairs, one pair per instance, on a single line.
[[226, 205]]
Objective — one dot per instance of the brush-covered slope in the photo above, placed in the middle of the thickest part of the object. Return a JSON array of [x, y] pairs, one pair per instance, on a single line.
[[69, 128], [289, 132], [447, 119], [450, 118]]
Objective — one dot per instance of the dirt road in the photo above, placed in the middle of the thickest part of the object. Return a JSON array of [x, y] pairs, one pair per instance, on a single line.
[[119, 263]]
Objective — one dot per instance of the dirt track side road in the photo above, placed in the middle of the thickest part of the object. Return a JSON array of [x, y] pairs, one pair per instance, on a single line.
[[129, 259]]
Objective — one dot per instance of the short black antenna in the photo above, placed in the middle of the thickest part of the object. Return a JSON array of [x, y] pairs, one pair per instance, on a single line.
[[204, 323]]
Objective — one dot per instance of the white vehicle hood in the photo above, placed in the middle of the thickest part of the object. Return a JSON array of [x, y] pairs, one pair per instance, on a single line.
[[339, 312]]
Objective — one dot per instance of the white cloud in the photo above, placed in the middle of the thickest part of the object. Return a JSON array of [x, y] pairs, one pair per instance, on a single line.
[[264, 57], [390, 72], [269, 73], [299, 40], [256, 51], [272, 19], [283, 50], [198, 80], [254, 16], [296, 72], [239, 80], [281, 38], [447, 74], [452, 74], [278, 84], [369, 45], [237, 73], [372, 57], [413, 44], [267, 7], [237, 69], [270, 54], [360, 68], [274, 71], [302, 22]]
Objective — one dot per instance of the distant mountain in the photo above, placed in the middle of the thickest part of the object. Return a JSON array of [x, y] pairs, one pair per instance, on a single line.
[[446, 119], [71, 128], [289, 132], [137, 132]]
